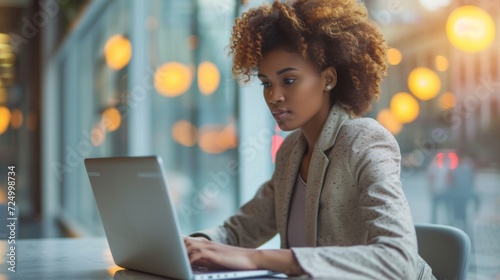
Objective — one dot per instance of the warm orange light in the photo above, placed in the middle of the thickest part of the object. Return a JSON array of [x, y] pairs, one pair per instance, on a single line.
[[442, 63], [470, 29], [208, 77], [7, 58], [447, 101], [173, 79], [394, 56], [4, 119], [404, 107], [424, 83], [389, 121], [209, 140], [111, 119], [112, 270], [117, 52], [4, 38], [227, 138], [16, 119], [184, 133], [6, 48]]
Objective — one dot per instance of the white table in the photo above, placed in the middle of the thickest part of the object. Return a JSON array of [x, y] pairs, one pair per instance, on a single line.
[[61, 258], [64, 259]]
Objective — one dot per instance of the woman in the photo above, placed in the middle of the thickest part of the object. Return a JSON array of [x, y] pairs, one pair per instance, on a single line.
[[335, 196]]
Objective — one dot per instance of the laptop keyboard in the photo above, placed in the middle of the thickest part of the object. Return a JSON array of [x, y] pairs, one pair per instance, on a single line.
[[202, 269]]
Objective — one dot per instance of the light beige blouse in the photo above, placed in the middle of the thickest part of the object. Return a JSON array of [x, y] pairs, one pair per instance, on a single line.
[[296, 219]]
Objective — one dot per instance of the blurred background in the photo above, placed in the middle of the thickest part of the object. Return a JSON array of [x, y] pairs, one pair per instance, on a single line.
[[81, 78]]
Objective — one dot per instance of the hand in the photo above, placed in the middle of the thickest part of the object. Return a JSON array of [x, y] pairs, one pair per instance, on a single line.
[[203, 252]]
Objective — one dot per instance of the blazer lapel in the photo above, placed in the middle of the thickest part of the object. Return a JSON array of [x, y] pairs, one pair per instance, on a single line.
[[315, 177], [318, 168]]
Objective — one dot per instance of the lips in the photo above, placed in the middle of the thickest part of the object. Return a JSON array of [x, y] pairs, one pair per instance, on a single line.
[[280, 114]]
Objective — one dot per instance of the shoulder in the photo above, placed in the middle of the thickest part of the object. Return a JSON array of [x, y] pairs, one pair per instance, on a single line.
[[290, 141], [365, 129]]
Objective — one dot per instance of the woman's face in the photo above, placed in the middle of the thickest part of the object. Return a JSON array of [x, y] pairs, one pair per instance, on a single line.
[[294, 90]]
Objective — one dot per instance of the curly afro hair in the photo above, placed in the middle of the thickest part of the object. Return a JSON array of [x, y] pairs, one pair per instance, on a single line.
[[329, 33]]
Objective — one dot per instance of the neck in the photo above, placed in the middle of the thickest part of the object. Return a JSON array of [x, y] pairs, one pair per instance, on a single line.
[[312, 129]]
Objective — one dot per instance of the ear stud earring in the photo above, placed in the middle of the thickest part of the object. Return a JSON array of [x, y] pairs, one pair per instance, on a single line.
[[329, 87]]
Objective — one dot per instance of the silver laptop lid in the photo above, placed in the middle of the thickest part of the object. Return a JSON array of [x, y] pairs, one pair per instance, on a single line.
[[138, 215]]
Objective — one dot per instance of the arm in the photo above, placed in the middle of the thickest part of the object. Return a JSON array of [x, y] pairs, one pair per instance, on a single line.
[[211, 254]]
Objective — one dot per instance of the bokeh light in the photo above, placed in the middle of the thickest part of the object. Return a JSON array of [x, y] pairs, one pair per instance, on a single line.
[[111, 119], [404, 107], [442, 63], [394, 56], [4, 38], [447, 101], [184, 133], [470, 29], [208, 77], [389, 121], [4, 119], [227, 137], [424, 83], [117, 52], [208, 139], [16, 119], [173, 79]]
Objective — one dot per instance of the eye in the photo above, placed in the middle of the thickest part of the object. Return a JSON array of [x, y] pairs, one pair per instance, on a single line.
[[288, 81], [265, 84]]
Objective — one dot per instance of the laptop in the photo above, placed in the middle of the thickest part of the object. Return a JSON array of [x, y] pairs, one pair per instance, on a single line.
[[140, 221]]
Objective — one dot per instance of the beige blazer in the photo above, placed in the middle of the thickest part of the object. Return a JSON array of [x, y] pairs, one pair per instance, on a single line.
[[358, 223]]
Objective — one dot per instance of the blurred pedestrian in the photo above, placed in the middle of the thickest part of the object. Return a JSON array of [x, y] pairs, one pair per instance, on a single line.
[[462, 190]]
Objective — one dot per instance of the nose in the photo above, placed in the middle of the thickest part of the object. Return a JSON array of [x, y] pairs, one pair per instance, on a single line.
[[275, 96]]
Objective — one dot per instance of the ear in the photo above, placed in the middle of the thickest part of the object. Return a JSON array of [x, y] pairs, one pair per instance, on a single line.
[[329, 78]]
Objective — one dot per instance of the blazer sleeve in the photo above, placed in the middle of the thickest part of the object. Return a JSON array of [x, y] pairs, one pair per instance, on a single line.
[[252, 225], [391, 248]]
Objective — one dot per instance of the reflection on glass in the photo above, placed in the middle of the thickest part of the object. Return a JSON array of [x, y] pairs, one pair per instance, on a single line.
[[208, 77], [442, 63], [16, 119], [447, 101], [424, 83], [172, 79], [4, 118], [117, 52], [184, 133], [470, 29], [209, 139], [404, 107], [111, 119], [389, 121], [394, 56]]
